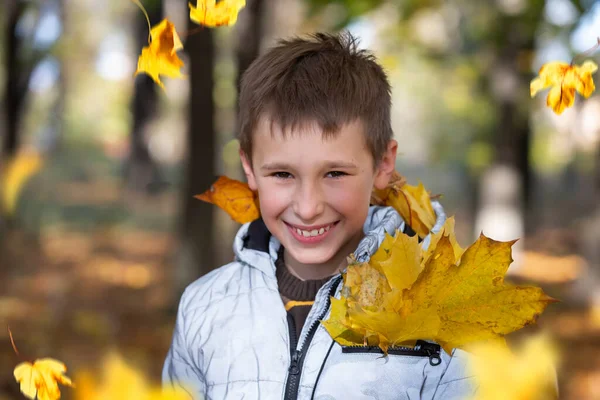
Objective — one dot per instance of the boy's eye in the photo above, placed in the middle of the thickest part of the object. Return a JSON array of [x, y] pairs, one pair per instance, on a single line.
[[336, 174], [282, 175]]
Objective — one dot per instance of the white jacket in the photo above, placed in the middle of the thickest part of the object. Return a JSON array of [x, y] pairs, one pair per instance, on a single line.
[[232, 338]]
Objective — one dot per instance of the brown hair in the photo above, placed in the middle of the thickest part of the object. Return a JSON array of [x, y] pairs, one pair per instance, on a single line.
[[324, 78]]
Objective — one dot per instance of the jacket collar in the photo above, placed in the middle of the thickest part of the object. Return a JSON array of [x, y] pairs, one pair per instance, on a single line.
[[255, 246]]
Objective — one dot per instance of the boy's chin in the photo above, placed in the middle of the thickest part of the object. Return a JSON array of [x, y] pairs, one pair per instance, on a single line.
[[315, 256], [311, 257]]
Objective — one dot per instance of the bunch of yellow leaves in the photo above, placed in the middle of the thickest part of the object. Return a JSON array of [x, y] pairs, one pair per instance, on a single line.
[[444, 294], [412, 202], [122, 382], [41, 378], [531, 370], [564, 79]]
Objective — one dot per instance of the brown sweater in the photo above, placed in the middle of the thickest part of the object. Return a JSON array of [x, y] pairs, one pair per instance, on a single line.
[[298, 296]]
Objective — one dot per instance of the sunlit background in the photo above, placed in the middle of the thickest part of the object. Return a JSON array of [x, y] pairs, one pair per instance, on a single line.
[[99, 232]]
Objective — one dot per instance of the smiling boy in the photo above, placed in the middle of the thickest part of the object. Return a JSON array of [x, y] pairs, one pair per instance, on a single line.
[[315, 138]]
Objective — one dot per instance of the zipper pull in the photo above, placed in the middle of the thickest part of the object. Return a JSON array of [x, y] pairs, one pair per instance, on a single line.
[[432, 350], [294, 370]]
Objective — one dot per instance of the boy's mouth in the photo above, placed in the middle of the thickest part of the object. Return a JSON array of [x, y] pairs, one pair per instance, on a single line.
[[311, 234]]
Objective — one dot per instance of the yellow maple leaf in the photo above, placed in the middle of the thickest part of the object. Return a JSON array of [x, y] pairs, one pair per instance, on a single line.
[[564, 79], [398, 250], [447, 230], [434, 296], [41, 378], [367, 285], [122, 382], [212, 13], [531, 370], [160, 56], [234, 197], [16, 174]]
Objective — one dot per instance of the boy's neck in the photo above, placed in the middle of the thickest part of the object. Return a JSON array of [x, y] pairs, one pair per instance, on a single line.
[[334, 265]]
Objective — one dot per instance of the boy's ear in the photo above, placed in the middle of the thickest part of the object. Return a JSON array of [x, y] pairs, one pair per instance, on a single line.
[[247, 165], [386, 166]]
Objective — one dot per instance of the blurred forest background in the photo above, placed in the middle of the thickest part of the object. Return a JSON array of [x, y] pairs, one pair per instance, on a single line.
[[99, 232]]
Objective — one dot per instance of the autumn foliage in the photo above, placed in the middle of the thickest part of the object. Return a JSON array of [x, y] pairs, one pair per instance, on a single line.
[[404, 293], [41, 378], [234, 197], [564, 80], [444, 294], [160, 56]]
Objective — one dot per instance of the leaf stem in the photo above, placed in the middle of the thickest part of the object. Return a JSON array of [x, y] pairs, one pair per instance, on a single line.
[[588, 52], [14, 346], [192, 31], [137, 3]]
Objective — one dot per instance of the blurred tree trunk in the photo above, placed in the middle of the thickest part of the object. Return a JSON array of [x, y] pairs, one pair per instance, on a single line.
[[504, 211], [16, 77], [196, 253], [141, 171], [250, 32]]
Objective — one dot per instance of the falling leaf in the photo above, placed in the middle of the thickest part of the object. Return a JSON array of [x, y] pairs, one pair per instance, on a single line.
[[17, 173], [564, 79], [445, 295], [160, 57], [41, 378], [212, 13], [234, 197], [531, 370], [122, 382]]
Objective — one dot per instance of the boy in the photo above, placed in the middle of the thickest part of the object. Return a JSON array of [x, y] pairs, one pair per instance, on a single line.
[[315, 138]]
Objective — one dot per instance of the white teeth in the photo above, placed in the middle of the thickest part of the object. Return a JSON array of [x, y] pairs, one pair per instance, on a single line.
[[314, 232]]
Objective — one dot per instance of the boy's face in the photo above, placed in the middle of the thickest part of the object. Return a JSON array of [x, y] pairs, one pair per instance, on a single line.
[[314, 191]]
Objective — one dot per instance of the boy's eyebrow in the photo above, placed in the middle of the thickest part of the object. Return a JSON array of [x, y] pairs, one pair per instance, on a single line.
[[329, 165]]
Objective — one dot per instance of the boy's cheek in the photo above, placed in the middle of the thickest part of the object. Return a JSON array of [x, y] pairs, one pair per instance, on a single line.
[[273, 200]]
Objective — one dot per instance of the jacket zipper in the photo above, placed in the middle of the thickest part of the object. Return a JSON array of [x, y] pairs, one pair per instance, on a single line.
[[293, 380], [421, 349]]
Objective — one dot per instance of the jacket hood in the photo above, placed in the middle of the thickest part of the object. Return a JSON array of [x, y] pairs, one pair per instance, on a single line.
[[255, 246]]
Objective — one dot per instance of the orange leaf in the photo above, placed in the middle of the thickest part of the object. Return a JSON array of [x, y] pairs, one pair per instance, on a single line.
[[160, 57], [235, 197], [211, 13]]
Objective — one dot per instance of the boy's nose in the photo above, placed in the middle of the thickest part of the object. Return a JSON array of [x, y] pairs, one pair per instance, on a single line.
[[308, 203]]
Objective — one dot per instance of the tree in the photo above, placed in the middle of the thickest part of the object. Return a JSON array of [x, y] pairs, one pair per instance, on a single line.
[[17, 76], [250, 35], [141, 171], [196, 253]]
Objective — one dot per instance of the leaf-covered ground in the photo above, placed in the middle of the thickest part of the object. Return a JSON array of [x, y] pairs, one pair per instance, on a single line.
[[104, 281]]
